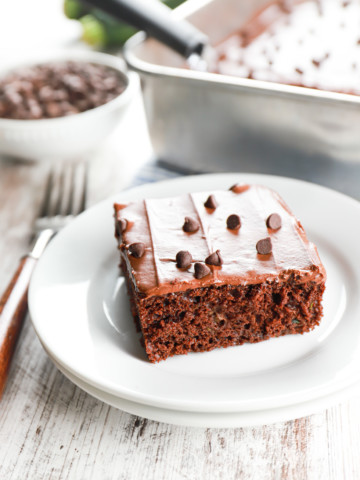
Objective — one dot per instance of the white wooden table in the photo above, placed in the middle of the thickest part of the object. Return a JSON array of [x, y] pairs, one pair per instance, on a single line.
[[51, 429]]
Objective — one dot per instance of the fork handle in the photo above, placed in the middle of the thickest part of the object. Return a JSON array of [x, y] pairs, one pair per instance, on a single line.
[[13, 309], [13, 306]]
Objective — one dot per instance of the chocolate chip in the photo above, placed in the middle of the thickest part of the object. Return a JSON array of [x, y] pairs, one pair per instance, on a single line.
[[74, 83], [264, 246], [12, 96], [319, 8], [201, 270], [214, 259], [211, 202], [274, 221], [53, 109], [183, 259], [233, 222], [190, 225], [122, 224], [317, 62], [299, 71], [239, 188], [284, 5], [245, 38], [137, 250]]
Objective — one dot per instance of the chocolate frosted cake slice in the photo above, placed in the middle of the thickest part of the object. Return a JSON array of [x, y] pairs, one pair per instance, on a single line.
[[215, 269]]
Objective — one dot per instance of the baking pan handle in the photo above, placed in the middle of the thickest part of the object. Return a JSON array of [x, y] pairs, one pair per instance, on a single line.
[[155, 18]]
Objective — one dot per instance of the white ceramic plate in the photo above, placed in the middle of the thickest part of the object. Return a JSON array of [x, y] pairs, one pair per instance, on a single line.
[[80, 312], [217, 419]]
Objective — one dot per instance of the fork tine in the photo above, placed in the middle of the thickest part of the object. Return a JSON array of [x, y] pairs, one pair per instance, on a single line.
[[56, 186], [59, 198], [65, 192], [69, 205], [83, 197], [79, 183], [45, 204]]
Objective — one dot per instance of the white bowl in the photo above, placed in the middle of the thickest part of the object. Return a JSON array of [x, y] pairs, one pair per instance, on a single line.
[[71, 136]]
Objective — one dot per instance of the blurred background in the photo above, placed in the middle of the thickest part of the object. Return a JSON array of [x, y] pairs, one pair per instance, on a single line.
[[27, 27], [314, 139], [41, 27]]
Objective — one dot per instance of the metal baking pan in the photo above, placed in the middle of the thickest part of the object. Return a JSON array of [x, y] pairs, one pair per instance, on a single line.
[[211, 122]]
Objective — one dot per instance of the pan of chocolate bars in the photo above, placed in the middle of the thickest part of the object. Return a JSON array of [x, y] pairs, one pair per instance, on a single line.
[[284, 87]]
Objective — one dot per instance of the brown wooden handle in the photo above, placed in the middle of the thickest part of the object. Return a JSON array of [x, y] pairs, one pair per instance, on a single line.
[[13, 309]]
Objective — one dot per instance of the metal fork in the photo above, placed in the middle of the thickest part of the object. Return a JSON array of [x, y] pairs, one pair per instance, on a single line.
[[64, 198]]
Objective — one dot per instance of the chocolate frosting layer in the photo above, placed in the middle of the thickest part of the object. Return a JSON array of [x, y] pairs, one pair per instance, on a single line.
[[311, 43], [158, 224]]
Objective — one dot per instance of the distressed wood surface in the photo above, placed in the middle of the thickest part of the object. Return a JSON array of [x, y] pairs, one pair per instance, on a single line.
[[51, 429]]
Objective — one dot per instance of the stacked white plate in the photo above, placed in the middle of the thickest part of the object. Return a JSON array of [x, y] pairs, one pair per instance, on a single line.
[[80, 311]]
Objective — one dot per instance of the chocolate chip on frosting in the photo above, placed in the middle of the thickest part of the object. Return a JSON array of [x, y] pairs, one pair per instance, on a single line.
[[137, 250], [233, 222], [239, 188], [211, 202], [201, 270], [264, 246], [190, 225], [122, 224], [183, 259], [274, 221], [214, 259]]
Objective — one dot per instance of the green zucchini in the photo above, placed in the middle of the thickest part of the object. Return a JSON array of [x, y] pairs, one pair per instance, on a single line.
[[100, 29]]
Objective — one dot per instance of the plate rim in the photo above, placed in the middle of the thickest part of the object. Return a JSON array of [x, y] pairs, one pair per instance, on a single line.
[[237, 419]]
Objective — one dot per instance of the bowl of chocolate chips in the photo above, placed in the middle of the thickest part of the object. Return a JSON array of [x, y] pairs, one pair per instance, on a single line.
[[64, 105]]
